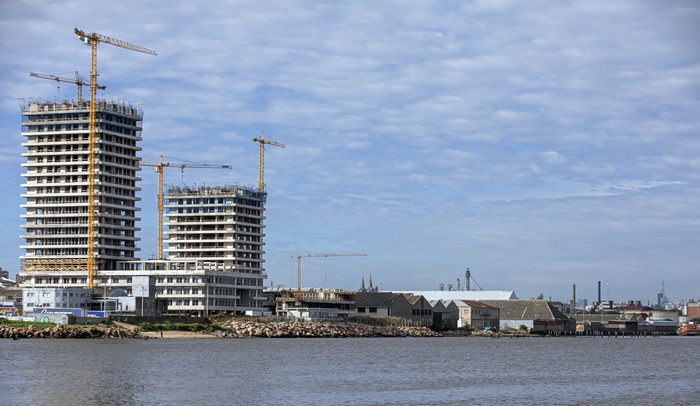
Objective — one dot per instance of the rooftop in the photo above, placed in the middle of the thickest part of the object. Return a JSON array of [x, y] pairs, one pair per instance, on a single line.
[[476, 295]]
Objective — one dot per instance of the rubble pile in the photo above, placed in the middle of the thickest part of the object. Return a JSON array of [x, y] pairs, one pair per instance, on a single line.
[[243, 329], [66, 332]]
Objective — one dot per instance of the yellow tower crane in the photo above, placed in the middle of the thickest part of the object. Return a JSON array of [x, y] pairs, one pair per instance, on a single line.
[[261, 158], [92, 39], [300, 256], [159, 169], [78, 81]]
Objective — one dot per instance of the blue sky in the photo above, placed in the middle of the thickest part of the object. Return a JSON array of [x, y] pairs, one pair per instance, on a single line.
[[539, 143]]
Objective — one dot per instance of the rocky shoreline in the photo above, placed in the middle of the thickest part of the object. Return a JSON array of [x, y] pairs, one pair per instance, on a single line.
[[67, 332], [248, 329], [251, 329]]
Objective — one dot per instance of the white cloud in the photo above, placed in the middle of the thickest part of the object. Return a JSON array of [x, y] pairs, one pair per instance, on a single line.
[[426, 132]]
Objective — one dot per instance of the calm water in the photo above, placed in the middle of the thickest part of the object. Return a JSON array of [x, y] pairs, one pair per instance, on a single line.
[[386, 371]]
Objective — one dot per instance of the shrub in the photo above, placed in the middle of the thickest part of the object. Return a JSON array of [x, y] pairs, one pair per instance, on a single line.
[[146, 326], [466, 327]]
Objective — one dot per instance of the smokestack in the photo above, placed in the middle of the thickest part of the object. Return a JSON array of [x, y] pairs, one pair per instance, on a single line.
[[573, 297], [599, 301]]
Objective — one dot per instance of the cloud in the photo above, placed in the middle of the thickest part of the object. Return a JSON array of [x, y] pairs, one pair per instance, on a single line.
[[526, 139]]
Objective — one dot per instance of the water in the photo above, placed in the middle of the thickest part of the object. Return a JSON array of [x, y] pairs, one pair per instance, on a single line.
[[383, 371]]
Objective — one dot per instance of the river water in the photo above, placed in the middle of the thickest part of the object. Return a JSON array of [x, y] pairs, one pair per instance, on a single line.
[[347, 371]]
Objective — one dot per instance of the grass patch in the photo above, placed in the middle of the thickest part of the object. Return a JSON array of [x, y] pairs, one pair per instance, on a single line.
[[17, 323]]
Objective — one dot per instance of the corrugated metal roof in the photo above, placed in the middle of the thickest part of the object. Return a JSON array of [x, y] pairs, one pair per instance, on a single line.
[[474, 303], [377, 299], [476, 295], [527, 310]]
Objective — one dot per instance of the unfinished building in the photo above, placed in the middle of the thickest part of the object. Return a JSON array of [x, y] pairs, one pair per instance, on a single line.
[[221, 226], [215, 234], [56, 182]]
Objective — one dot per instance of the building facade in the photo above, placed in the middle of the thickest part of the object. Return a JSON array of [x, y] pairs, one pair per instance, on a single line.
[[190, 287], [693, 310], [220, 224], [475, 314], [35, 299], [56, 183]]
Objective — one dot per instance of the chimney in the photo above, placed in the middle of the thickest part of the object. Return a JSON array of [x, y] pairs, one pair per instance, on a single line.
[[573, 297], [599, 301]]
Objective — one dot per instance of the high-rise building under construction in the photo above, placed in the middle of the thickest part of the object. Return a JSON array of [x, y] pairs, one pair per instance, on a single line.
[[221, 226], [56, 182], [215, 234]]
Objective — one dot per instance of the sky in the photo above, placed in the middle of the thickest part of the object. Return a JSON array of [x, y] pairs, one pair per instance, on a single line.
[[540, 144]]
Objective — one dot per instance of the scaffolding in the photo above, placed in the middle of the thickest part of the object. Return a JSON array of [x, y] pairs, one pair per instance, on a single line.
[[53, 264]]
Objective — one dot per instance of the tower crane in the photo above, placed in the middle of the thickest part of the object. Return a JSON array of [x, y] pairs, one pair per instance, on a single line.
[[261, 158], [91, 40], [300, 256], [78, 81], [159, 169]]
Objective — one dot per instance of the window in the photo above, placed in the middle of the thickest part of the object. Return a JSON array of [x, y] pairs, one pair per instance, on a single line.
[[115, 279], [360, 309], [372, 309]]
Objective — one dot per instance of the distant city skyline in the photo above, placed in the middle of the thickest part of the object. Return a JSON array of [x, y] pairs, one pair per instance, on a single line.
[[540, 144]]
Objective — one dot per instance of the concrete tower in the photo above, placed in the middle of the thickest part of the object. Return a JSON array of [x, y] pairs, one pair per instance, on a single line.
[[56, 197], [222, 226]]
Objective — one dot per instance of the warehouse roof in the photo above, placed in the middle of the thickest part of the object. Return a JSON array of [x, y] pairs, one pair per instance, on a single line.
[[476, 295]]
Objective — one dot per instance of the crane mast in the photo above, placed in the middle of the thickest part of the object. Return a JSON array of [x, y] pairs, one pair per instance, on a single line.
[[92, 39], [300, 256], [261, 158], [159, 169]]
